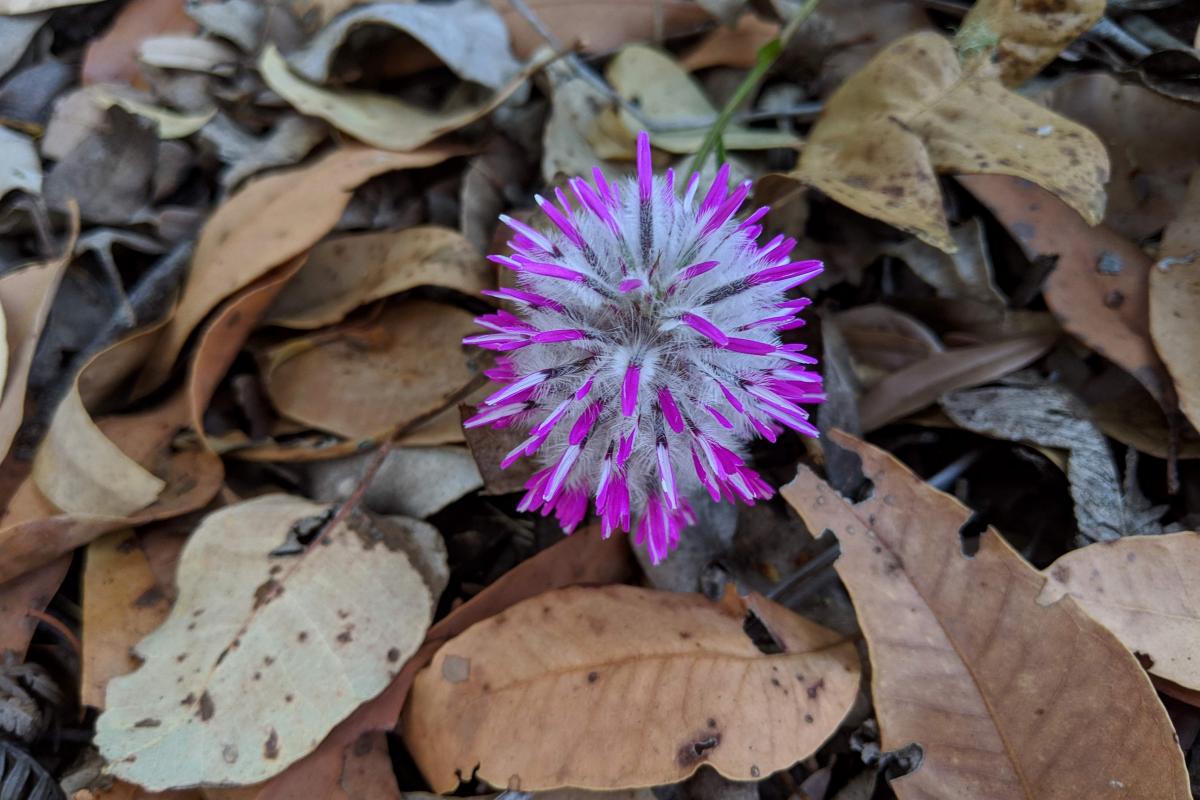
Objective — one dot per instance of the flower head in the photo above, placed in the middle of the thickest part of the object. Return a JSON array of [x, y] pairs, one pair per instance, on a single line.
[[644, 350]]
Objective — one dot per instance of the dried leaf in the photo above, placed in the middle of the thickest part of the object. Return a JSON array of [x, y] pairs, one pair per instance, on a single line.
[[20, 167], [861, 28], [26, 295], [168, 124], [454, 32], [345, 272], [80, 471], [1150, 139], [29, 6], [665, 93], [1017, 39], [1049, 416], [247, 628], [368, 378], [912, 388], [1006, 698], [583, 558], [16, 33], [122, 602], [29, 592], [626, 659], [601, 27], [292, 138], [575, 105], [112, 57], [1098, 289], [413, 481], [377, 119], [191, 53], [964, 274], [1174, 294], [266, 223], [1139, 589], [735, 46], [913, 112]]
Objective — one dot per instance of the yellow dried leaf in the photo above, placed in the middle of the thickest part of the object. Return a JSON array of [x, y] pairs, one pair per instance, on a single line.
[[913, 112], [655, 683], [1016, 38], [1007, 698]]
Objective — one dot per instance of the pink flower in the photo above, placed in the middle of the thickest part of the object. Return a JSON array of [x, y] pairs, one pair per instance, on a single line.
[[645, 350]]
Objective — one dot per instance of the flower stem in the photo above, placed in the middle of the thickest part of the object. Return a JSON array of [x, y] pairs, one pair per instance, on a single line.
[[767, 55]]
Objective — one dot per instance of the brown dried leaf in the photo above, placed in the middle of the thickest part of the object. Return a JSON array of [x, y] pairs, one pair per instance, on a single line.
[[600, 27], [221, 697], [1139, 587], [1007, 698], [26, 295], [1098, 290], [626, 659], [363, 379], [735, 46], [1150, 139], [913, 387], [112, 56], [1016, 38], [913, 112], [268, 222], [122, 602], [29, 592], [583, 558], [1174, 297], [345, 272]]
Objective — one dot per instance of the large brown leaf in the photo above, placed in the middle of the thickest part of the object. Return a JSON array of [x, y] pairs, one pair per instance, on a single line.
[[620, 687], [1174, 298], [913, 112], [1006, 697], [1098, 289], [1140, 588]]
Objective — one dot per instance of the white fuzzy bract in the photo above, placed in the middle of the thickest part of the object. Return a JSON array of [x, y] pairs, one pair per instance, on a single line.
[[645, 350]]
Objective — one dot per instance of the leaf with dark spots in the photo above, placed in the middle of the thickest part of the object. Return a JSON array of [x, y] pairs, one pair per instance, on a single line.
[[670, 688], [207, 708]]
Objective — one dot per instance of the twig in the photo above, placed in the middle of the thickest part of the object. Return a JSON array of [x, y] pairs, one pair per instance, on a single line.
[[59, 627]]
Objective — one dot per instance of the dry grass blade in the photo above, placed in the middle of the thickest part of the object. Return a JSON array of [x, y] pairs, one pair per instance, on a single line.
[[1006, 697]]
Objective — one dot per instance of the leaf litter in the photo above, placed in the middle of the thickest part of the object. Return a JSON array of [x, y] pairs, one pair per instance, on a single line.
[[240, 246]]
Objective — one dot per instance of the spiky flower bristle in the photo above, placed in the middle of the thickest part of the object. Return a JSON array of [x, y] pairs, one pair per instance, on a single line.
[[645, 350]]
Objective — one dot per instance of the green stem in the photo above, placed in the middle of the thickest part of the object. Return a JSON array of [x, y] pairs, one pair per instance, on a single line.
[[767, 55]]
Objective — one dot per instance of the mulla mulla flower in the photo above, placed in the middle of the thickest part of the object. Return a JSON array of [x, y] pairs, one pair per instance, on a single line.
[[644, 350]]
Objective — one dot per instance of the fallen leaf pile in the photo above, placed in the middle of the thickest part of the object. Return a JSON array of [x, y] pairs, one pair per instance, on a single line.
[[249, 552]]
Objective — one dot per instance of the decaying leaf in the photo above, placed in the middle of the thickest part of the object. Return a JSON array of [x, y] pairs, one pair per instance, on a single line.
[[914, 112], [377, 119], [367, 378], [1019, 37], [583, 558], [122, 602], [599, 28], [345, 272], [1174, 294], [735, 46], [677, 668], [1098, 289], [81, 471], [1048, 416], [31, 592], [1007, 698], [453, 32], [413, 481], [1140, 589], [921, 383], [30, 6], [293, 137], [168, 124], [266, 223], [966, 273], [248, 632], [576, 104], [656, 83], [16, 32]]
